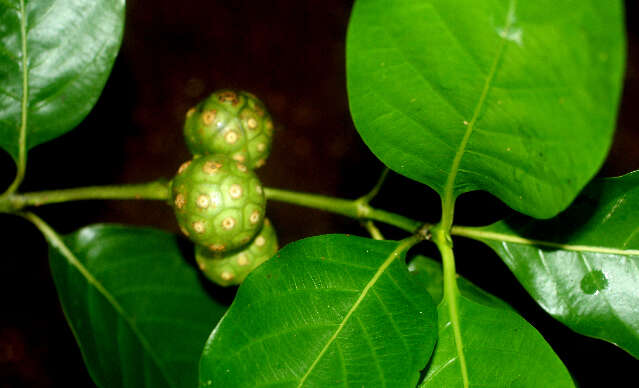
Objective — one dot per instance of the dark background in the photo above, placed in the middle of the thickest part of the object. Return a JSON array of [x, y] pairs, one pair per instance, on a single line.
[[291, 54]]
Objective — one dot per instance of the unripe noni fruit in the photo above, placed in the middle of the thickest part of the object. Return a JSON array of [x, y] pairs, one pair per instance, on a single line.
[[230, 122], [218, 202], [233, 269]]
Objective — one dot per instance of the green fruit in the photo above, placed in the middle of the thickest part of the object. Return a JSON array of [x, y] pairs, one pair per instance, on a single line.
[[218, 202], [233, 269], [233, 123]]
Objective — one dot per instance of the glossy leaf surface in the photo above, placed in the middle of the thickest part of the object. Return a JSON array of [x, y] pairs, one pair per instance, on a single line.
[[498, 344], [582, 267], [328, 311], [55, 57], [137, 309], [517, 98], [428, 273], [500, 348]]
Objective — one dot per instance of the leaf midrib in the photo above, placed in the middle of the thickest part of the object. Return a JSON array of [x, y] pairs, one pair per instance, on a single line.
[[402, 247], [454, 169], [56, 242], [25, 85], [512, 238], [448, 198]]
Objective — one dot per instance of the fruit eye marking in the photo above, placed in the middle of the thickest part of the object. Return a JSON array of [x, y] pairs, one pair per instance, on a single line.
[[258, 188], [228, 223], [184, 166], [179, 201], [242, 260], [211, 167], [209, 116], [229, 96], [260, 241], [235, 191], [231, 137], [252, 123], [261, 147], [190, 112], [255, 217], [260, 163], [242, 167], [239, 157], [217, 247], [198, 227], [203, 201], [226, 275], [184, 231]]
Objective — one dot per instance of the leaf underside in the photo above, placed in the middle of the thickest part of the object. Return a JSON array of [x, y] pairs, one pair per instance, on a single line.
[[55, 57], [138, 310], [582, 267], [328, 311], [517, 98]]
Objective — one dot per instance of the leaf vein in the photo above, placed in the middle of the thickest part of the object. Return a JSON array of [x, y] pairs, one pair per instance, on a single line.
[[375, 356], [391, 257]]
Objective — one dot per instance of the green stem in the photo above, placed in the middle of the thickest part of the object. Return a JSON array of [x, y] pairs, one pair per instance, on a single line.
[[444, 243], [378, 186], [349, 208], [153, 190], [159, 190], [372, 230]]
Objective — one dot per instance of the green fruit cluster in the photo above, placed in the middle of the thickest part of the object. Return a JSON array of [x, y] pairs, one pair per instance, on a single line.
[[219, 203], [230, 122], [218, 200]]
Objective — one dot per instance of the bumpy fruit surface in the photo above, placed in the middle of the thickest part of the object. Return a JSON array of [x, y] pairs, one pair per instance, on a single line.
[[218, 202], [230, 122], [233, 269]]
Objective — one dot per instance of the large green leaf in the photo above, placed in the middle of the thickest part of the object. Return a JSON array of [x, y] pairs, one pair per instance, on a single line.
[[328, 311], [429, 274], [517, 98], [582, 267], [55, 57], [500, 350], [136, 307]]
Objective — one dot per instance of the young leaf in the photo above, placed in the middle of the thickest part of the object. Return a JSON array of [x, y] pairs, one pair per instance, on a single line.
[[428, 273], [55, 57], [517, 98], [136, 307], [582, 267], [328, 311], [500, 348]]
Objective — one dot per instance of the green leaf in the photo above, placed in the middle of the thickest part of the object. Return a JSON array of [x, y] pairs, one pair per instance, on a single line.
[[326, 311], [582, 267], [428, 274], [490, 331], [517, 98], [137, 309], [501, 350], [55, 57]]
